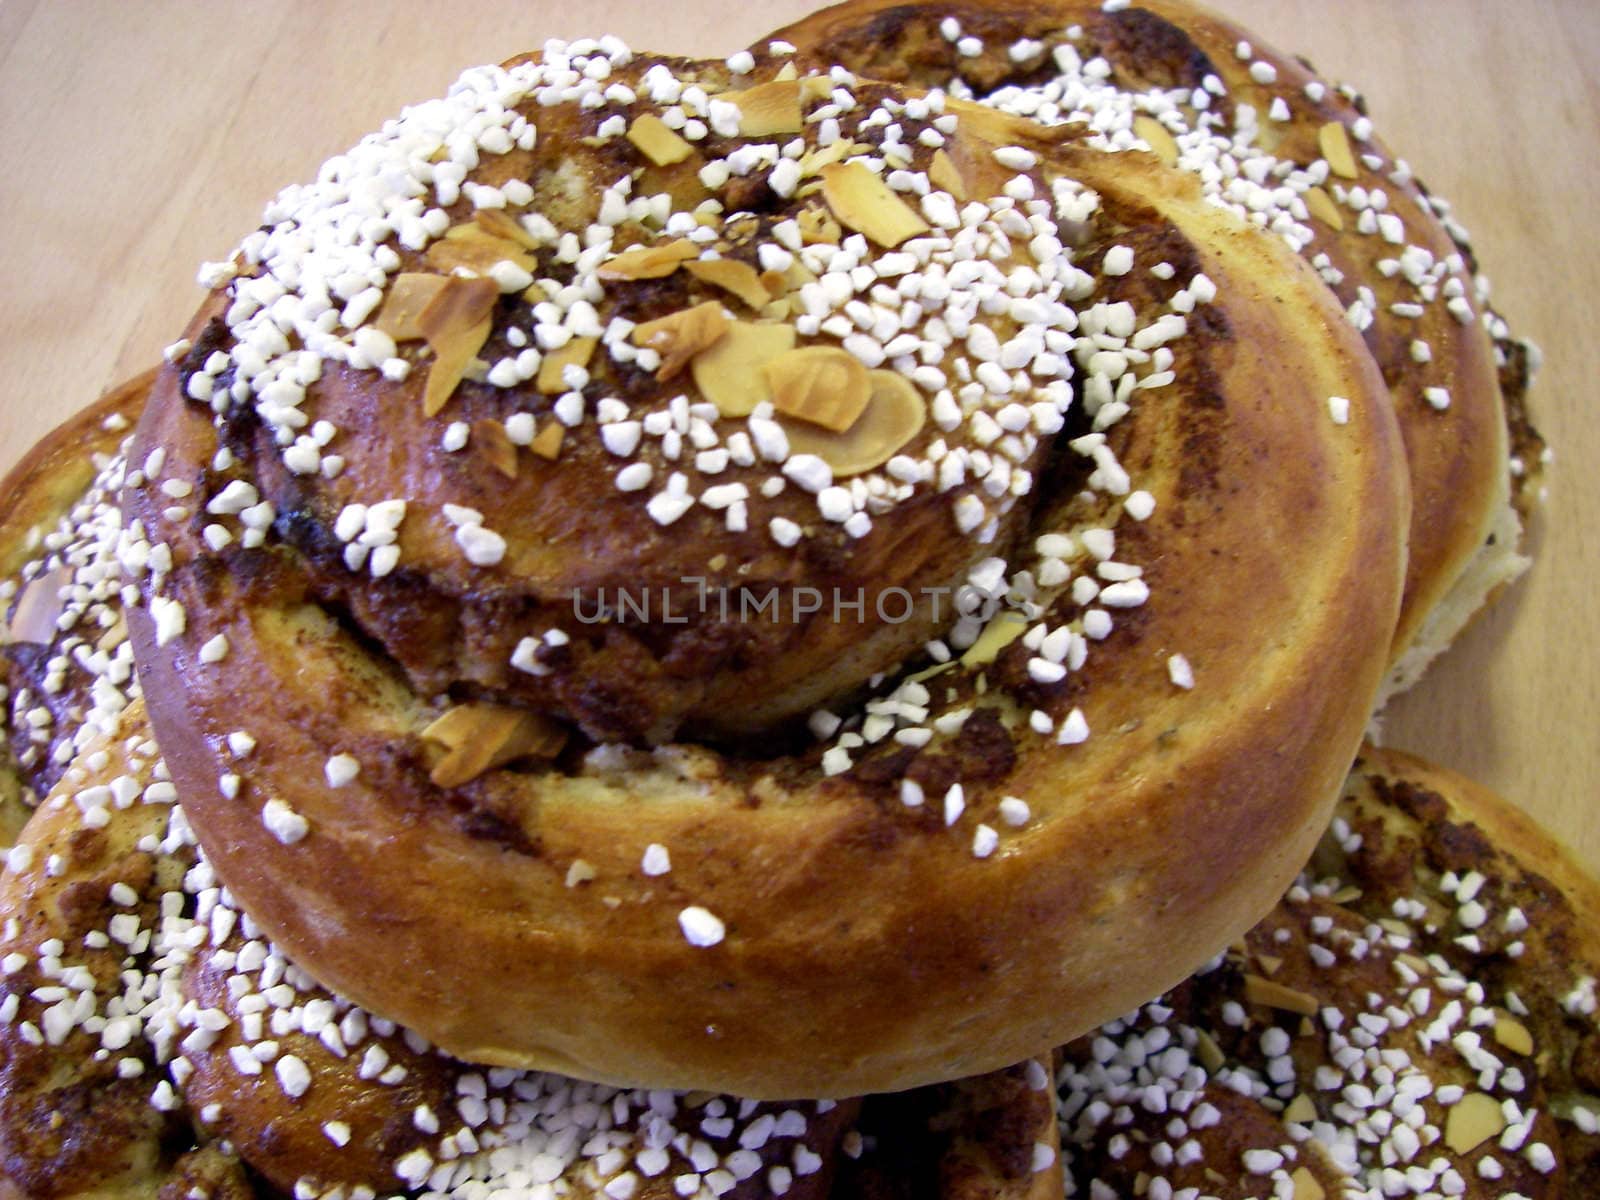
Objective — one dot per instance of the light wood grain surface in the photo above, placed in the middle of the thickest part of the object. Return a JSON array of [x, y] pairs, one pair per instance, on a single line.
[[137, 140]]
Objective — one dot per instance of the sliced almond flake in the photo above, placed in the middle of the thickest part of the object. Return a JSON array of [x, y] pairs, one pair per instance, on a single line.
[[1513, 1035], [798, 275], [455, 725], [455, 351], [38, 609], [1417, 964], [472, 246], [679, 336], [1306, 1186], [1157, 137], [1347, 895], [1275, 995], [812, 161], [649, 262], [824, 385], [775, 282], [818, 228], [1335, 145], [480, 737], [982, 131], [1001, 128], [497, 222], [547, 442], [737, 278], [490, 438], [1395, 926], [730, 373], [768, 108], [1473, 1120], [576, 353], [113, 637], [1321, 206], [814, 87], [944, 175], [862, 201], [1208, 1052], [408, 297], [1301, 1110], [895, 414], [459, 305], [1000, 632], [657, 142], [1269, 963]]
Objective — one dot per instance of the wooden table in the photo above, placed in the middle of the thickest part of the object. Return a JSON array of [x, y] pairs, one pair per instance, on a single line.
[[139, 139]]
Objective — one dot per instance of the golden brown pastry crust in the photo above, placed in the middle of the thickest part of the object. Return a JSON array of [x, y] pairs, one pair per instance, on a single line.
[[867, 947], [1458, 454]]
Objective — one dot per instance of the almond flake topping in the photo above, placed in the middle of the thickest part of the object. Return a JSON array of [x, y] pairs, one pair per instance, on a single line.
[[657, 142], [1275, 995], [547, 442], [1513, 1035], [818, 228], [737, 278], [552, 369], [679, 336], [894, 414], [768, 108], [40, 608], [731, 373], [1321, 206], [407, 299], [456, 324], [474, 247], [480, 737], [649, 262], [861, 200], [824, 385], [1473, 1120], [1335, 145], [1155, 135], [945, 175], [496, 222]]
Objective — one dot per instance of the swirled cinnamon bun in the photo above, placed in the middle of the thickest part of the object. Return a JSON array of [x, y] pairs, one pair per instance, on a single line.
[[1296, 155], [870, 585]]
